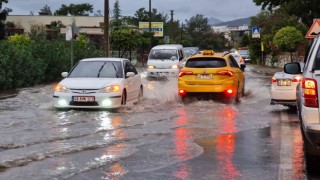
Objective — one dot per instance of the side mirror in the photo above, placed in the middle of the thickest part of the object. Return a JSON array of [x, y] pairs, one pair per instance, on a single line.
[[292, 68], [64, 74], [180, 58], [242, 67], [130, 74]]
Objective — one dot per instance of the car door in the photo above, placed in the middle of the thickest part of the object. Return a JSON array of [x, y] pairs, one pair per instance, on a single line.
[[133, 83]]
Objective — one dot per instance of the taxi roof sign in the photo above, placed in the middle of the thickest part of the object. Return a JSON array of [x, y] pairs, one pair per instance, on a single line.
[[314, 29], [208, 52]]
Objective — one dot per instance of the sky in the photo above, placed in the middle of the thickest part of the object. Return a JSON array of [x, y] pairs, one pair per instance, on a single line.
[[224, 10]]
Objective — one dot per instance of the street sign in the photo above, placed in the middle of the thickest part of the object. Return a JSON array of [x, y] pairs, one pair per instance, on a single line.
[[156, 28], [314, 29], [255, 32]]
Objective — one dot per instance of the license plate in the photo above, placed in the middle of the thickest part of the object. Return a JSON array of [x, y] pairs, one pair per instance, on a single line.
[[83, 98], [284, 82], [204, 76]]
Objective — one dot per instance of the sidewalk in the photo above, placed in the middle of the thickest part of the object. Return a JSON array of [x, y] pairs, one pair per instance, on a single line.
[[266, 70]]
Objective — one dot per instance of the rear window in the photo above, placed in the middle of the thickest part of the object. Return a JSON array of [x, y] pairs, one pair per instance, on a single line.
[[206, 63]]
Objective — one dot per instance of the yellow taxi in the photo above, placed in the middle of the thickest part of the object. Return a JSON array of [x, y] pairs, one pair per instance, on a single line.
[[211, 72]]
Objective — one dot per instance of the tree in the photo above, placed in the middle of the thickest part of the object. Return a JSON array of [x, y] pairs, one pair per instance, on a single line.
[[142, 15], [307, 10], [288, 38], [45, 10], [197, 26], [75, 10], [116, 23], [3, 16]]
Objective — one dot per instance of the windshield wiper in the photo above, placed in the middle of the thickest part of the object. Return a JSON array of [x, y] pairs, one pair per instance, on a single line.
[[101, 69], [117, 73]]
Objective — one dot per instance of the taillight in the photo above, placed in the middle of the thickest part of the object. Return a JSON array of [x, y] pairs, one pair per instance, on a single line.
[[273, 79], [309, 93], [229, 92], [228, 73], [296, 79], [182, 92], [183, 72]]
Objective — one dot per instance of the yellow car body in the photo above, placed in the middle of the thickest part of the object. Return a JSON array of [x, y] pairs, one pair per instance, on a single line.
[[210, 72]]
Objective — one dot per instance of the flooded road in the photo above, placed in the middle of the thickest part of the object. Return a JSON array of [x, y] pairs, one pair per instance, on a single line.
[[158, 138]]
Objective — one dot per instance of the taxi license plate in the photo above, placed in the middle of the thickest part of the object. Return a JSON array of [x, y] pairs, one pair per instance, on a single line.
[[284, 82], [83, 98], [204, 76]]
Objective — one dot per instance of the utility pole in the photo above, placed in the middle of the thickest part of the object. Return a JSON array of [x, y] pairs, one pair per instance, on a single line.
[[171, 16], [150, 15], [182, 26], [106, 28]]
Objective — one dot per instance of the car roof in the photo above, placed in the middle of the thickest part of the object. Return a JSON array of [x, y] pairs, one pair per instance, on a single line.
[[168, 46], [215, 55], [104, 59]]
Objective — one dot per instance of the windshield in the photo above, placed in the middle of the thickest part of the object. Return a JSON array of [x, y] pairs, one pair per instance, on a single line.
[[243, 52], [164, 54], [206, 63], [101, 69]]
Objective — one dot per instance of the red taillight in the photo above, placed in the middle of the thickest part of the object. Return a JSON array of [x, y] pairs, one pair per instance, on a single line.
[[296, 79], [229, 92], [183, 72], [182, 92], [273, 79], [228, 73], [309, 92]]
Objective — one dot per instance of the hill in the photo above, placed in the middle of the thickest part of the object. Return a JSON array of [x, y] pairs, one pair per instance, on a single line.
[[213, 21], [237, 22]]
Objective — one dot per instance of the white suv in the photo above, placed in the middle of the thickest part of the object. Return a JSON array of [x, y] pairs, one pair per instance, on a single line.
[[308, 103]]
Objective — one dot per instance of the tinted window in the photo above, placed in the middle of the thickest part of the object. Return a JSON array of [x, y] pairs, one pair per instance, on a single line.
[[206, 63], [164, 54], [233, 62], [102, 69], [317, 60]]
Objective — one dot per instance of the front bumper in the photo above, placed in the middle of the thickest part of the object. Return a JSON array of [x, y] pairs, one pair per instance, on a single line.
[[102, 100], [163, 72]]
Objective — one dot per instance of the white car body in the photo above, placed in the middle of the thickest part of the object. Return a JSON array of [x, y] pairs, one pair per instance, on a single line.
[[161, 63], [283, 88], [238, 58], [80, 90]]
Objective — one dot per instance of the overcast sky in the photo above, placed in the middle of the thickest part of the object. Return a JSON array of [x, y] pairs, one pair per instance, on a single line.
[[224, 10]]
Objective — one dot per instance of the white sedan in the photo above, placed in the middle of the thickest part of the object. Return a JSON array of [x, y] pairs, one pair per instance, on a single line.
[[283, 89], [99, 83]]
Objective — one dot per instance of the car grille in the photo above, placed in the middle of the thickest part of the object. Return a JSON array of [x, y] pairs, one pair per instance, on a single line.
[[84, 104], [84, 91]]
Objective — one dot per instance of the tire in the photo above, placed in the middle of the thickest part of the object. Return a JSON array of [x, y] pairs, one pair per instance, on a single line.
[[311, 155], [124, 97], [238, 95]]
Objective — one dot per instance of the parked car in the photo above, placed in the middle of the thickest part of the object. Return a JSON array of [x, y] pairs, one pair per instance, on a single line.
[[283, 89], [308, 103], [99, 83], [212, 73]]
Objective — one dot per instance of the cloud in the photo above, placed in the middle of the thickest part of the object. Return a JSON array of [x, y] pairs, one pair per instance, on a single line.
[[183, 9]]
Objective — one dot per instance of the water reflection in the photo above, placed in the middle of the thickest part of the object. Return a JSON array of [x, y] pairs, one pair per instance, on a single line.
[[225, 144], [182, 147]]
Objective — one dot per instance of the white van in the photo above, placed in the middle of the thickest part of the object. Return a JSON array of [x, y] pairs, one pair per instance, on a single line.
[[165, 60]]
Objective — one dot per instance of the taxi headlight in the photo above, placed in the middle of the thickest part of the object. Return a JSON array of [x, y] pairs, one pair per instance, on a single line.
[[174, 67], [151, 67], [60, 88], [108, 89]]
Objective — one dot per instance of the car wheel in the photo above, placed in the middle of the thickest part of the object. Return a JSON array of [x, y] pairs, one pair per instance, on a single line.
[[311, 155], [124, 98], [238, 95], [243, 90]]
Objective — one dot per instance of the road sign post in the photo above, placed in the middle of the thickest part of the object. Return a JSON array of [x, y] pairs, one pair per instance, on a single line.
[[255, 32]]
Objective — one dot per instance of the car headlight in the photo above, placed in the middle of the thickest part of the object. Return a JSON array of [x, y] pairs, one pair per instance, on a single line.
[[174, 67], [60, 88], [151, 67], [108, 89]]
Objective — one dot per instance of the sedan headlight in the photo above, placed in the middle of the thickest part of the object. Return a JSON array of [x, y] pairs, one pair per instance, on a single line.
[[174, 67], [108, 89], [151, 67], [60, 88]]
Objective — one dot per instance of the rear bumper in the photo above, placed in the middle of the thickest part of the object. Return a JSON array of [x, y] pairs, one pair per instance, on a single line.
[[283, 102], [163, 72], [313, 133], [207, 88]]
